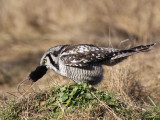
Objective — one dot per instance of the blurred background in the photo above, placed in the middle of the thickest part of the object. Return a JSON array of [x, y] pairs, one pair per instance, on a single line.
[[29, 27]]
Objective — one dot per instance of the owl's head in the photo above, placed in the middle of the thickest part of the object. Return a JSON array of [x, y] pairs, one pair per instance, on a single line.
[[48, 61], [51, 56]]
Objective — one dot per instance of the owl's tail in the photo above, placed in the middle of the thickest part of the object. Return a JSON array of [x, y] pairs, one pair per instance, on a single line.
[[120, 55], [143, 48]]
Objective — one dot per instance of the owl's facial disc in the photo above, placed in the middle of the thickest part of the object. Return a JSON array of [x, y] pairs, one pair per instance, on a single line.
[[35, 75]]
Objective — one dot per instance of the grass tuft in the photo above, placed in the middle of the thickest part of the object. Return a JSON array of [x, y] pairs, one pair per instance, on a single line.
[[75, 100]]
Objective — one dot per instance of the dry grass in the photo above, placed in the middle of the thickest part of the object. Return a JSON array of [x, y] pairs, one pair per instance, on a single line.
[[28, 28], [75, 20], [76, 101]]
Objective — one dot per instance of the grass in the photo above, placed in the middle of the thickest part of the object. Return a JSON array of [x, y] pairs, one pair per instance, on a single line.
[[79, 101]]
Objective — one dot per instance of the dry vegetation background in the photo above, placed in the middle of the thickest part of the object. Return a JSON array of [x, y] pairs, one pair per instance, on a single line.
[[30, 27]]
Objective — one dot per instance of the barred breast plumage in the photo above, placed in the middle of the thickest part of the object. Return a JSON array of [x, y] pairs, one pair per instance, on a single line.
[[93, 73], [82, 63]]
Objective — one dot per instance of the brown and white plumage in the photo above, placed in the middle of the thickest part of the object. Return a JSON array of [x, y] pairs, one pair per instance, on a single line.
[[83, 62]]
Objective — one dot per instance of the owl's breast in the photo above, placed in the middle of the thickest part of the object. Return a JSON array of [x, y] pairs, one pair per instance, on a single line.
[[92, 73]]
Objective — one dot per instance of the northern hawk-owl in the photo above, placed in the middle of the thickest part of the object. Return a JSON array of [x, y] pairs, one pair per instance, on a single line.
[[83, 62]]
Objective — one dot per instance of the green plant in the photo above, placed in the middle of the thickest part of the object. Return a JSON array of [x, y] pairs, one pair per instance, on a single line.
[[60, 101]]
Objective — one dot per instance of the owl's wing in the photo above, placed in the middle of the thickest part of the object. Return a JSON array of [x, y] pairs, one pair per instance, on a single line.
[[82, 55]]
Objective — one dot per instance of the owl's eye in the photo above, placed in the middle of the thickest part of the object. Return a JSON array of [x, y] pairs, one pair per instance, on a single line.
[[44, 60]]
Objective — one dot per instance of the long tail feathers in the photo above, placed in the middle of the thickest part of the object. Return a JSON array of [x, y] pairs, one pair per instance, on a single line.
[[143, 48], [123, 54]]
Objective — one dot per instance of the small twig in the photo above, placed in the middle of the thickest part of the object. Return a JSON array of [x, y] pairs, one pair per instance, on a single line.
[[61, 108], [39, 88], [24, 90], [12, 94], [123, 41], [54, 81], [48, 84], [109, 38], [108, 108], [33, 90]]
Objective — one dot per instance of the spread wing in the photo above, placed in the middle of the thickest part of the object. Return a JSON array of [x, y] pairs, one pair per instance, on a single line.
[[82, 55]]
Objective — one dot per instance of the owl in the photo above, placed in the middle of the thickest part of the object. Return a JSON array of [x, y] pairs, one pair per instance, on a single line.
[[82, 62]]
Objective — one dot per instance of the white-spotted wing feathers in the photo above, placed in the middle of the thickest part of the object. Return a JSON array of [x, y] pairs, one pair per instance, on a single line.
[[81, 55]]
